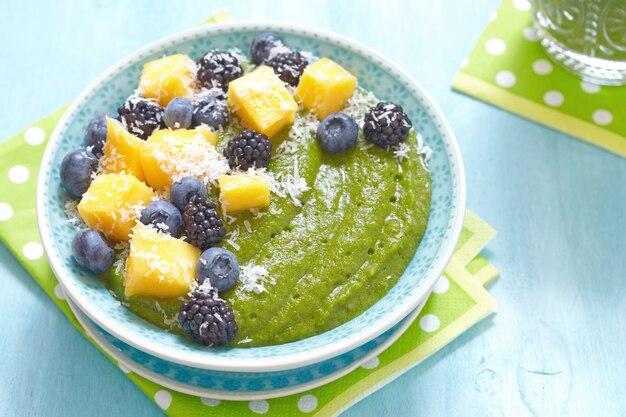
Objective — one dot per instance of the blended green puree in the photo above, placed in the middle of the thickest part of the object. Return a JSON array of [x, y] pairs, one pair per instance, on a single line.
[[329, 258]]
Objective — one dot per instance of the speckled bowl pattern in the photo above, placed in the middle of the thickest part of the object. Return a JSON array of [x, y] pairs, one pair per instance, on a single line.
[[375, 73], [240, 385]]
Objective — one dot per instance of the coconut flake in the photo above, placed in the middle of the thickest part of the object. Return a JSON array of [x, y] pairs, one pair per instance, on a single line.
[[252, 278]]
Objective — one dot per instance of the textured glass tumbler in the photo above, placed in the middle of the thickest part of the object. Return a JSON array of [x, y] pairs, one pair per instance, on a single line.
[[586, 37]]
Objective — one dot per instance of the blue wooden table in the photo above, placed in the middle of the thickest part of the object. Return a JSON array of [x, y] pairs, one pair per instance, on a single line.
[[557, 344]]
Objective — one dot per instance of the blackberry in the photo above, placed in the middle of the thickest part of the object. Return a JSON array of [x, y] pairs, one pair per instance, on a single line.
[[248, 149], [218, 68], [289, 66], [141, 116], [202, 223], [208, 319], [386, 125], [262, 45]]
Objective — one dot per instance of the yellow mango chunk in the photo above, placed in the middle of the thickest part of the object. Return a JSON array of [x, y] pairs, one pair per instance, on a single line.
[[261, 100], [121, 151], [243, 192], [113, 203], [325, 87], [159, 265], [167, 78], [167, 153]]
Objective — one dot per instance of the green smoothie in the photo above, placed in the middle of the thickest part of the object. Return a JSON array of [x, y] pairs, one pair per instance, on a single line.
[[321, 258]]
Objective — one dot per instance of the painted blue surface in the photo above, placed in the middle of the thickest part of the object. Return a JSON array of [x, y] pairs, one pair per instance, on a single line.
[[556, 346]]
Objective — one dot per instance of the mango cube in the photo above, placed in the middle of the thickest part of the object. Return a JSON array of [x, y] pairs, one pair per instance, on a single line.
[[167, 78], [325, 87], [169, 152], [121, 151], [113, 203], [262, 101], [243, 192], [159, 265]]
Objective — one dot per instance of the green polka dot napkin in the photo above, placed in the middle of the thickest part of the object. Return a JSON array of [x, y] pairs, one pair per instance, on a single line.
[[458, 301], [508, 68]]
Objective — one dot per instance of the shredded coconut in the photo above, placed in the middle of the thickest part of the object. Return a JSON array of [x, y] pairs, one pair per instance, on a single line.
[[231, 238], [253, 277], [246, 340], [290, 185], [73, 216]]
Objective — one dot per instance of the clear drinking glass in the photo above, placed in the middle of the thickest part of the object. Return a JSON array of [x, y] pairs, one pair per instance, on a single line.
[[586, 37]]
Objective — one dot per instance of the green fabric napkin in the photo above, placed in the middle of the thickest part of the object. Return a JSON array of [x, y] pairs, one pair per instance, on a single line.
[[509, 68], [459, 300]]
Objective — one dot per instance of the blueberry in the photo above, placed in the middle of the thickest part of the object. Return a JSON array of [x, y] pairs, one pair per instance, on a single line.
[[261, 46], [92, 252], [76, 170], [96, 134], [337, 133], [162, 215], [182, 191], [178, 113], [220, 267], [211, 112]]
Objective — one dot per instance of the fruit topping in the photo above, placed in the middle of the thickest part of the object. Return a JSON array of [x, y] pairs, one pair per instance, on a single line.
[[168, 77], [210, 112], [386, 125], [208, 319], [141, 116], [262, 45], [220, 267], [163, 216], [159, 265], [325, 87], [96, 134], [248, 149], [76, 171], [244, 191], [182, 191], [262, 101], [122, 150], [92, 251], [178, 113], [337, 133], [202, 223], [288, 66], [113, 203], [216, 69]]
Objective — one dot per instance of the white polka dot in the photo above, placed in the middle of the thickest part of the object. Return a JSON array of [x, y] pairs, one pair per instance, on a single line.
[[59, 292], [259, 406], [429, 323], [19, 174], [163, 399], [506, 79], [522, 5], [589, 88], [32, 251], [531, 34], [6, 212], [542, 67], [553, 98], [371, 364], [465, 63], [493, 17], [34, 136], [495, 46], [602, 117], [210, 402], [307, 403], [441, 286], [124, 368]]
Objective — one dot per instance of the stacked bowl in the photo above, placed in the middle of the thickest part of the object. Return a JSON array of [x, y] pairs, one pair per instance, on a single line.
[[261, 372]]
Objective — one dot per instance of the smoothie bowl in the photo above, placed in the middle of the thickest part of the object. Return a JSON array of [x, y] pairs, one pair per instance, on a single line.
[[232, 199]]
